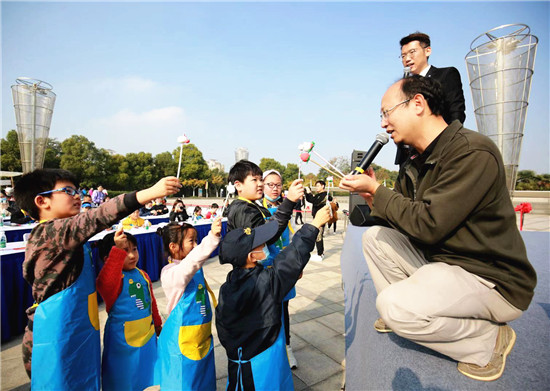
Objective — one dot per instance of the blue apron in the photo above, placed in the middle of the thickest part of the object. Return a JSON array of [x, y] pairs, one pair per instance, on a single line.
[[277, 247], [185, 346], [129, 342], [66, 346], [270, 368]]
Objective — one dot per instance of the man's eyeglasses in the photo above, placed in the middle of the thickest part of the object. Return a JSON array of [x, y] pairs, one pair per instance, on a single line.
[[385, 113], [67, 190], [274, 185], [411, 53]]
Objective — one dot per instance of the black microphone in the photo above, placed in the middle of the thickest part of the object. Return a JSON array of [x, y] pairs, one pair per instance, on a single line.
[[406, 72], [381, 140]]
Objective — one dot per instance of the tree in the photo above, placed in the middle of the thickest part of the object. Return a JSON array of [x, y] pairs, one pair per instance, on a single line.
[[140, 170], [193, 184], [290, 174], [165, 165], [268, 163], [341, 163], [529, 180], [10, 158], [193, 165], [52, 158], [218, 179], [79, 156], [11, 154]]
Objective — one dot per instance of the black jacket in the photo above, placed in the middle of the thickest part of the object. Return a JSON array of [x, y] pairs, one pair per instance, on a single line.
[[249, 309], [243, 214], [178, 216], [452, 90], [318, 201]]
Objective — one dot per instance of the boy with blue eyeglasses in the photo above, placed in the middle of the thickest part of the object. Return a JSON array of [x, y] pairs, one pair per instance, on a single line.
[[61, 342]]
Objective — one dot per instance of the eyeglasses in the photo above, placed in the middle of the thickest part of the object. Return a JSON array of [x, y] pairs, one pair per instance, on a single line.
[[67, 190], [385, 113], [411, 53], [274, 185]]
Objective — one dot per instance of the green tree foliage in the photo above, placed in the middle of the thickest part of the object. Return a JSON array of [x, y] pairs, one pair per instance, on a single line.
[[218, 180], [268, 163], [340, 162], [193, 165], [529, 180], [290, 173], [140, 170], [85, 160], [165, 164], [383, 174], [52, 158], [11, 155]]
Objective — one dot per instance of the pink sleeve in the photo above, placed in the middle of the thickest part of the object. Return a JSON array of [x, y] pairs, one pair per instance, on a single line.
[[176, 278]]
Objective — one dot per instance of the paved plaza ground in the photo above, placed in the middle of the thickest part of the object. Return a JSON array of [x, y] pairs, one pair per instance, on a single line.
[[317, 321]]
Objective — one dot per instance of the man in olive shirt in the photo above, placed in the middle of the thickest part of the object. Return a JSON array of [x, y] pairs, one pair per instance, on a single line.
[[453, 268]]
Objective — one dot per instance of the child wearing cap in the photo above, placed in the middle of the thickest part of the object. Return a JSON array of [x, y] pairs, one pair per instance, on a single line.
[[249, 312]]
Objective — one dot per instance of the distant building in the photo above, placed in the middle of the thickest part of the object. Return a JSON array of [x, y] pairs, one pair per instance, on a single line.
[[241, 153], [214, 164]]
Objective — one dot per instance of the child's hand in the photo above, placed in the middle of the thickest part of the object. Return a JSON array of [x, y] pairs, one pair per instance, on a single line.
[[217, 226], [296, 190], [322, 217], [121, 241], [165, 187]]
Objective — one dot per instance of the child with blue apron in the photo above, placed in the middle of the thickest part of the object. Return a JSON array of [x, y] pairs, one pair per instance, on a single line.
[[130, 343], [66, 345], [186, 346]]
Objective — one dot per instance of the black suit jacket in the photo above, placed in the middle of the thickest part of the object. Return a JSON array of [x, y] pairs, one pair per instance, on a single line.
[[452, 89]]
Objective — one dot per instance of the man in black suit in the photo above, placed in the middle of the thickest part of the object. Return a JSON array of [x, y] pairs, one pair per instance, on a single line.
[[415, 52]]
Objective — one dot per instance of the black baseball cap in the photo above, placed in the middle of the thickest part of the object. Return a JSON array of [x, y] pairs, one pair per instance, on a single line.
[[237, 243]]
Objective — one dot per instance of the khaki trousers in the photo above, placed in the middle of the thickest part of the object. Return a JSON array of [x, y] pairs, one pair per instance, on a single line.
[[440, 306]]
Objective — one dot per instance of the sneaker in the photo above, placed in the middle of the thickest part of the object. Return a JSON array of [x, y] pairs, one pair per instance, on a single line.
[[493, 370], [291, 359], [381, 326], [316, 258]]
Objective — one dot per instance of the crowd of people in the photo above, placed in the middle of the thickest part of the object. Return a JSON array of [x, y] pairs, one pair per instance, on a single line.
[[449, 265]]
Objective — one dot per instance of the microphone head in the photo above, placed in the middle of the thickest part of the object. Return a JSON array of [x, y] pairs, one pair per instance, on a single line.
[[382, 138], [406, 72]]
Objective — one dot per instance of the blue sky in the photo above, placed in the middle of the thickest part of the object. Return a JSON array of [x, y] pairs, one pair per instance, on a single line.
[[267, 76]]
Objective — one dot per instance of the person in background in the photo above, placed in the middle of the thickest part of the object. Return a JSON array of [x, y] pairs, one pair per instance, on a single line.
[[4, 204], [98, 197], [159, 208], [178, 212], [197, 213], [146, 210], [133, 221], [415, 53], [213, 212], [299, 211], [318, 201]]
